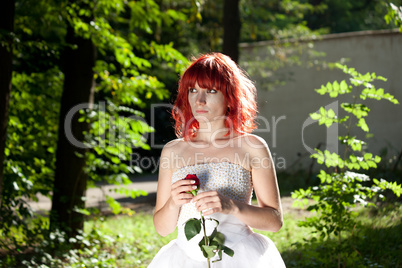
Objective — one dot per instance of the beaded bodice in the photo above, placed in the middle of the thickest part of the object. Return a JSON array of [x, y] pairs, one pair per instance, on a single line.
[[229, 179], [250, 249]]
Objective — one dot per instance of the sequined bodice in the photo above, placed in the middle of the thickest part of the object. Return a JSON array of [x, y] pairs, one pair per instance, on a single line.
[[229, 179], [250, 249]]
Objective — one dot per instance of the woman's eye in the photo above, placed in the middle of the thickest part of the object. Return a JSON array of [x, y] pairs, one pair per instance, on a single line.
[[212, 91], [192, 90]]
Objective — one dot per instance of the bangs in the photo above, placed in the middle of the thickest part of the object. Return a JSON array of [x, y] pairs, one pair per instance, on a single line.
[[207, 74]]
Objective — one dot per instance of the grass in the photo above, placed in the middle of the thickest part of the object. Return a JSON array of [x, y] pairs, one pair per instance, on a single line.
[[376, 239], [135, 234], [131, 241]]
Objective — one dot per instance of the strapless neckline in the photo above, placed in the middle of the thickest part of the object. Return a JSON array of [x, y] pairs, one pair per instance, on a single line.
[[212, 163]]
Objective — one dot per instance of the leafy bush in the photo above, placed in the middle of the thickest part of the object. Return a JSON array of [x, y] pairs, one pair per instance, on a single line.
[[341, 188]]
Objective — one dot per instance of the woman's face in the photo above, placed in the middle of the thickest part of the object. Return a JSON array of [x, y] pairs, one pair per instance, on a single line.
[[207, 104]]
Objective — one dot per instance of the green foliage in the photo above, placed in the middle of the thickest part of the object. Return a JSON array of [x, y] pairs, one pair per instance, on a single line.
[[211, 245], [358, 15], [273, 20], [31, 140], [283, 24], [126, 83], [341, 190], [96, 247], [30, 154], [394, 15]]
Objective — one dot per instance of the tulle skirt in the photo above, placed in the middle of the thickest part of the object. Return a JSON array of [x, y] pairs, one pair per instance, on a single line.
[[251, 250]]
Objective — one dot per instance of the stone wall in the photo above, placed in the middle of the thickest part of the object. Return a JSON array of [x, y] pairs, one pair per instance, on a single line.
[[284, 110]]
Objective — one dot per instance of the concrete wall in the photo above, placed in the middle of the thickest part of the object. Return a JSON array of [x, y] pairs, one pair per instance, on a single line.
[[284, 111]]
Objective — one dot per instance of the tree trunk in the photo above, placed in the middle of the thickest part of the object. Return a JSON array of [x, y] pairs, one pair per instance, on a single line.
[[231, 29], [70, 178], [6, 26]]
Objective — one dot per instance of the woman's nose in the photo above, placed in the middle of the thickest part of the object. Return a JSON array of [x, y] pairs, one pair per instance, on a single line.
[[201, 98]]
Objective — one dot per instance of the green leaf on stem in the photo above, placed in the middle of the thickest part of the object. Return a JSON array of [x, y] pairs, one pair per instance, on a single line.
[[208, 251], [362, 124], [212, 236], [218, 239], [192, 228], [228, 251]]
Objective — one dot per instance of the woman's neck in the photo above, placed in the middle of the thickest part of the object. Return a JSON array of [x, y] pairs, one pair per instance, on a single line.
[[210, 132]]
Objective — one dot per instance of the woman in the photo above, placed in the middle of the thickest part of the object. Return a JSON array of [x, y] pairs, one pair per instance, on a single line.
[[214, 113]]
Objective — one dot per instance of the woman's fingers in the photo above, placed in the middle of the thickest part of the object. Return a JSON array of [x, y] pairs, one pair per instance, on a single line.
[[210, 208], [183, 182], [184, 185], [183, 189], [212, 202], [179, 189], [207, 200], [185, 196], [181, 198]]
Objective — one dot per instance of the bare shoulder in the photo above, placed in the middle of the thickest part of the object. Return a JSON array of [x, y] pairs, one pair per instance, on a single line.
[[172, 145], [257, 151], [254, 139], [169, 154], [254, 143]]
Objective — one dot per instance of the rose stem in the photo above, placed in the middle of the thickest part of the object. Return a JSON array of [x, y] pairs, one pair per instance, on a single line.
[[205, 235]]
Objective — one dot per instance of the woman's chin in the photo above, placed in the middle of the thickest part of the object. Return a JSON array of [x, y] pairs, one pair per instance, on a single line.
[[201, 118]]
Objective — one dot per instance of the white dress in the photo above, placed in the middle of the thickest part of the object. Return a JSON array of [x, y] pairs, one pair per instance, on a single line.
[[251, 250]]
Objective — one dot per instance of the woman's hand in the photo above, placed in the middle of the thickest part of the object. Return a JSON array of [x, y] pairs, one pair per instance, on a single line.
[[212, 202], [178, 194]]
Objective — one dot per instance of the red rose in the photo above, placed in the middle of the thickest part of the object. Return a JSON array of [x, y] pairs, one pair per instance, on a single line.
[[197, 183]]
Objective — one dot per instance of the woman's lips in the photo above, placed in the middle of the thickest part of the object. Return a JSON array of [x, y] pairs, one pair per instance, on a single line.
[[201, 111]]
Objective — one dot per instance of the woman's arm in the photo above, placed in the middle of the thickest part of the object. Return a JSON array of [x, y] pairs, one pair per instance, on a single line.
[[268, 215], [169, 197]]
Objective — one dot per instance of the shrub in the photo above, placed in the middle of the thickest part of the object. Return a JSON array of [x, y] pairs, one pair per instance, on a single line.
[[341, 188]]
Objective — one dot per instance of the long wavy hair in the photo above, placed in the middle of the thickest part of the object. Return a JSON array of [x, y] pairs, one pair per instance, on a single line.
[[216, 71]]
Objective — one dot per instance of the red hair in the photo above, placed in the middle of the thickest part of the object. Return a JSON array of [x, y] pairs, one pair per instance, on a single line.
[[216, 71]]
